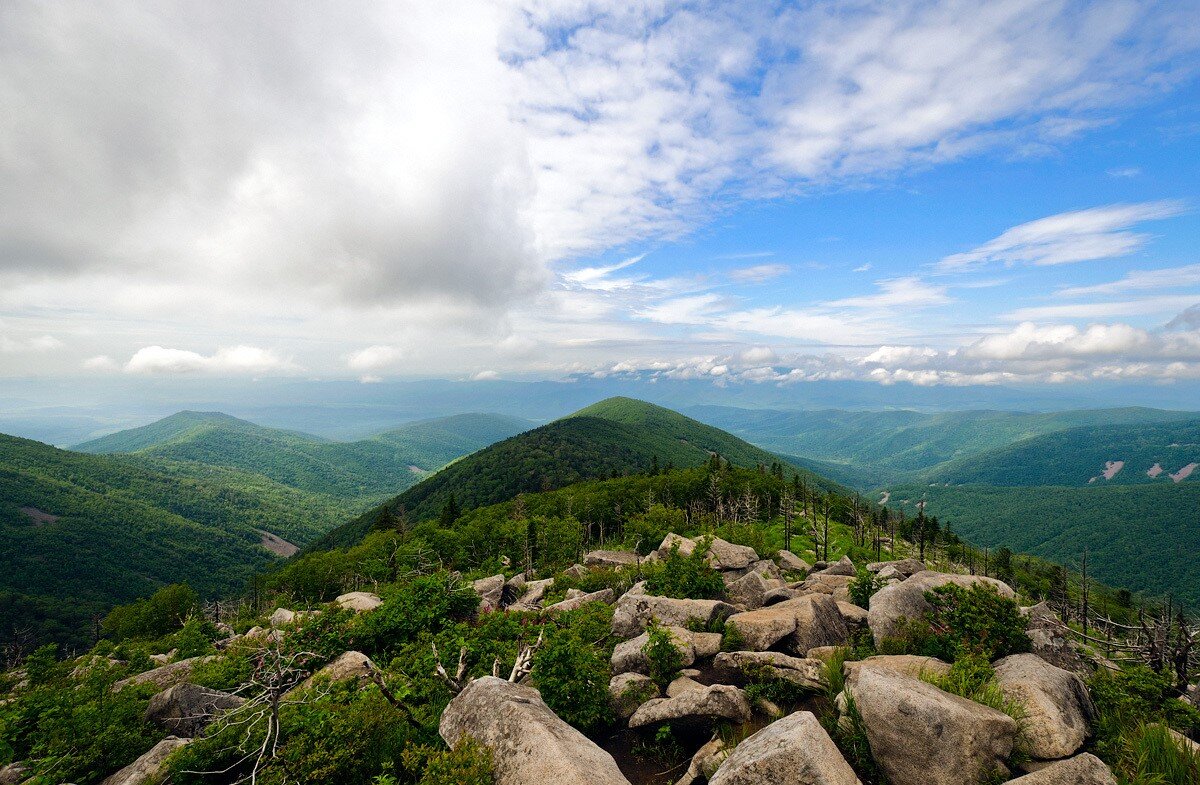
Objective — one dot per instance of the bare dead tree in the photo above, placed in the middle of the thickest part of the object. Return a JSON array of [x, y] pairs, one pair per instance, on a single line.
[[522, 666]]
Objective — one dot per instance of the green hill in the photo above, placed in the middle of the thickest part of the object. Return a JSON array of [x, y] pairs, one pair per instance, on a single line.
[[1080, 456], [877, 447], [615, 436], [79, 532], [366, 470]]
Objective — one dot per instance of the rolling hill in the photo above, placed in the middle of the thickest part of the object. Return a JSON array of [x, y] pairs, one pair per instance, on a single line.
[[612, 437], [367, 470]]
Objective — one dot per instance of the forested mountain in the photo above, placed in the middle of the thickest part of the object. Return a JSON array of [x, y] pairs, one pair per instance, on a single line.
[[81, 532], [615, 436], [871, 448], [1104, 454], [366, 470]]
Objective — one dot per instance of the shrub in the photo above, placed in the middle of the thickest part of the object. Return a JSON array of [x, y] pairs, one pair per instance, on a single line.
[[763, 683], [573, 679], [685, 577], [865, 584], [962, 621], [469, 763], [428, 604], [731, 639], [972, 677], [663, 655], [163, 612], [647, 530]]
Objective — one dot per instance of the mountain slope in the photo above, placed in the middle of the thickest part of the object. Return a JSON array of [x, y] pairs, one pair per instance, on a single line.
[[877, 447], [615, 436], [365, 470]]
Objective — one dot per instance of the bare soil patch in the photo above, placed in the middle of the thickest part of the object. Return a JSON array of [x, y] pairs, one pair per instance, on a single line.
[[39, 517], [277, 545], [1185, 472], [1111, 468]]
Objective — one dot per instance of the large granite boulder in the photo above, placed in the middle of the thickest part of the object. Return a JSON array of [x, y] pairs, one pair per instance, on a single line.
[[795, 750], [912, 665], [528, 742], [818, 623], [763, 628], [1058, 708], [149, 767], [610, 558], [841, 567], [903, 568], [686, 545], [748, 591], [628, 691], [725, 555], [790, 562], [907, 599], [359, 601], [490, 591], [187, 709], [634, 612], [628, 656], [694, 707], [1085, 769], [921, 735], [740, 667], [164, 676], [574, 603]]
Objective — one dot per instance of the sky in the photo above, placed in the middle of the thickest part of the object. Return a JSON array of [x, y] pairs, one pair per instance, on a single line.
[[925, 193]]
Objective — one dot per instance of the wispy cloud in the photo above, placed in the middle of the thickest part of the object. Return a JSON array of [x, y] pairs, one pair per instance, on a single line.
[[235, 360], [1140, 280], [1077, 236], [1147, 306], [759, 273], [862, 268], [896, 292], [598, 277]]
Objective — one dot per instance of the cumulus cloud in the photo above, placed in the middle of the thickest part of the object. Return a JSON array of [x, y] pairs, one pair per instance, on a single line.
[[1078, 236], [235, 360], [374, 358], [101, 362]]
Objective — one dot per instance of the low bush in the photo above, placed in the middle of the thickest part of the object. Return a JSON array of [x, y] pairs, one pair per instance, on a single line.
[[664, 657], [685, 576]]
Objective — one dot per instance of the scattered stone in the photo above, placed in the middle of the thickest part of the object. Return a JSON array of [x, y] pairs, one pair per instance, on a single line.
[[529, 743], [635, 611], [920, 735], [695, 707], [604, 595], [1058, 709], [514, 587], [824, 583], [533, 594], [576, 571], [854, 616], [912, 665], [348, 665], [903, 567], [763, 628], [907, 598], [165, 676], [686, 546], [162, 659], [490, 591], [768, 570], [705, 762], [790, 562], [282, 616], [147, 768], [795, 750], [1085, 769], [748, 591], [724, 555], [818, 623], [782, 594], [706, 644], [741, 667], [681, 684], [628, 656], [186, 709], [1047, 641], [610, 559], [823, 653], [359, 601], [842, 566], [628, 691]]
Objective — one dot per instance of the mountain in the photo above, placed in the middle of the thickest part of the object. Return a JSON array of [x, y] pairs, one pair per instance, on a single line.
[[80, 532], [367, 470], [612, 437], [1107, 454]]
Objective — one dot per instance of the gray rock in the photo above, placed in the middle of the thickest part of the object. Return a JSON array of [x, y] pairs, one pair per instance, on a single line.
[[610, 558], [165, 676], [604, 595], [763, 628], [359, 601], [695, 707], [686, 546], [628, 656], [705, 762], [1058, 708], [706, 644], [1085, 769], [790, 562], [529, 743], [490, 591], [920, 735], [532, 594], [842, 566], [902, 567], [147, 768], [576, 571], [827, 583], [739, 667], [628, 691], [635, 611], [795, 750], [912, 665], [726, 556], [856, 618], [907, 599], [748, 591], [681, 684], [186, 709], [782, 594], [14, 773], [818, 623]]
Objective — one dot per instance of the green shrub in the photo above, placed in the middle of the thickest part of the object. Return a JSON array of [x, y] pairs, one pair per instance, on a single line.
[[572, 677], [975, 619], [763, 683], [1126, 701], [163, 612], [1150, 755], [647, 530], [427, 604], [732, 639], [469, 763], [972, 677], [863, 585], [685, 577], [663, 655]]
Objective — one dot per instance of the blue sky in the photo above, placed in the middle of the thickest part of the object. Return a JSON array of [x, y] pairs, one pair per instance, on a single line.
[[934, 193]]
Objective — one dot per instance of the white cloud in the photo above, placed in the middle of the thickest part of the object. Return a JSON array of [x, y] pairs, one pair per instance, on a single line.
[[1146, 306], [897, 292], [484, 376], [36, 343], [862, 268], [374, 358], [101, 362], [598, 277], [1140, 280], [758, 355], [1125, 171], [1078, 236], [697, 309], [759, 273], [235, 360]]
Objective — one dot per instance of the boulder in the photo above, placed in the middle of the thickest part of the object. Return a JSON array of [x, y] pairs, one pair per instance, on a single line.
[[628, 691], [359, 601], [576, 571], [14, 773], [748, 591], [782, 594], [911, 665], [686, 546], [1058, 708], [528, 742], [695, 707], [147, 768], [610, 558], [604, 595], [490, 591], [818, 623], [842, 566], [907, 598], [825, 583], [726, 556], [740, 667], [902, 567], [514, 587], [681, 684], [533, 593], [628, 656], [763, 628], [347, 665], [795, 750], [790, 562], [1047, 640], [165, 676], [706, 644], [705, 762], [855, 617], [921, 735], [635, 611], [767, 569], [1085, 769], [186, 709]]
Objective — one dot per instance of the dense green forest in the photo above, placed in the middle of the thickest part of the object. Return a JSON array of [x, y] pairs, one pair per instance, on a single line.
[[868, 449], [615, 436]]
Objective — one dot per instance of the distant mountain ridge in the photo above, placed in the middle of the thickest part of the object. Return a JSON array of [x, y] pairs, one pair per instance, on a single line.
[[614, 436]]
